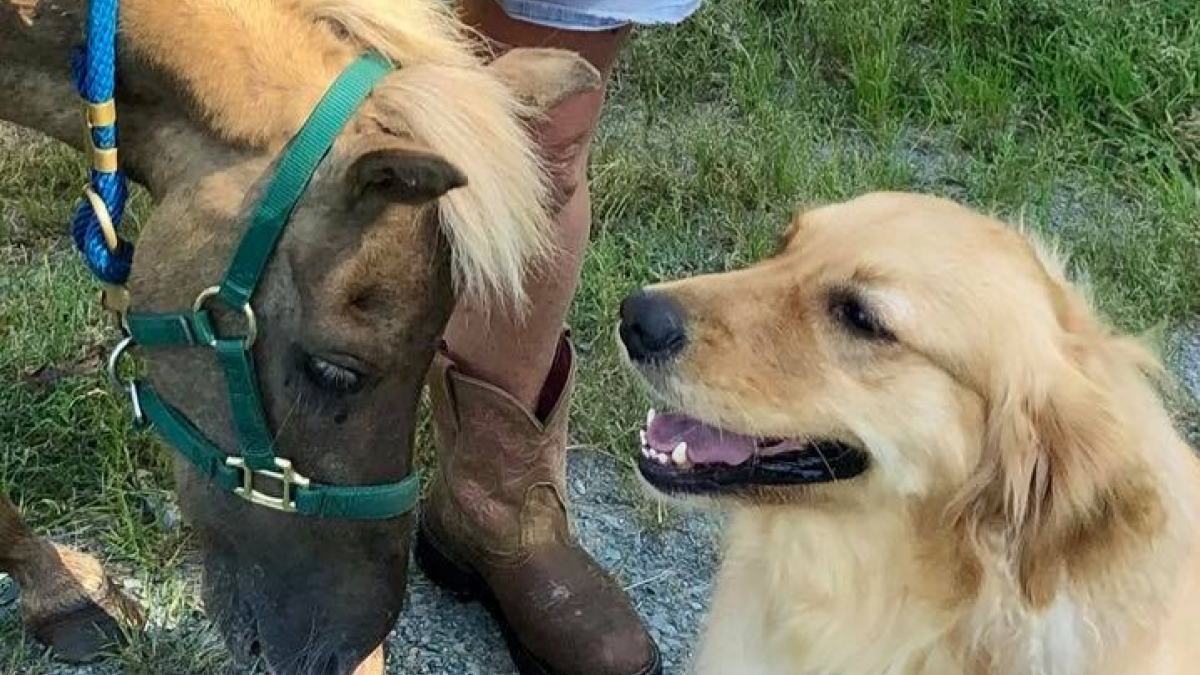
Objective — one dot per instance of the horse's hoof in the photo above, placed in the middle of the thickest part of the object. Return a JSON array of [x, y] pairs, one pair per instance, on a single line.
[[87, 617], [84, 634]]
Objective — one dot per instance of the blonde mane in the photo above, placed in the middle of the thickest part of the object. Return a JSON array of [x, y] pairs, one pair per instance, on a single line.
[[497, 224], [405, 31], [256, 88]]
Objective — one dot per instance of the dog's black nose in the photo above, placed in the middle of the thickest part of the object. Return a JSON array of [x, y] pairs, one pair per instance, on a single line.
[[652, 327]]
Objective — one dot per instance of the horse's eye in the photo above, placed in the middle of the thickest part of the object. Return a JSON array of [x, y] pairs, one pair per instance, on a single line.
[[331, 376]]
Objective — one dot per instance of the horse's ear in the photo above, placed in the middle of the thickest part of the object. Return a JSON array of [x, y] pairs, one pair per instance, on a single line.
[[402, 175], [542, 77]]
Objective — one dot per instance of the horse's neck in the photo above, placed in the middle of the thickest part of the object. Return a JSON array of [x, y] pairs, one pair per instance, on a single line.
[[191, 73], [254, 72]]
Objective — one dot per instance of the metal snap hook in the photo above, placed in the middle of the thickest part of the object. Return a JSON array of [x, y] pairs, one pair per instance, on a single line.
[[128, 387], [114, 363], [135, 401]]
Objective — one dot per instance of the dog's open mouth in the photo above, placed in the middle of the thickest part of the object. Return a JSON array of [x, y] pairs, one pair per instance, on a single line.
[[680, 453]]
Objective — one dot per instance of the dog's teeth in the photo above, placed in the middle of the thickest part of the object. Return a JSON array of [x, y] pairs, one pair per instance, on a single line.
[[662, 458], [645, 452], [679, 454], [650, 415], [642, 435]]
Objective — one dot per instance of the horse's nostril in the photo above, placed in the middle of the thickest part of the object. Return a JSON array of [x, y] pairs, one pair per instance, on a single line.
[[255, 648], [652, 327]]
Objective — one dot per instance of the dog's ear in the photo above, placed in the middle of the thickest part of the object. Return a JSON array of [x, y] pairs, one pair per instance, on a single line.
[[1060, 480]]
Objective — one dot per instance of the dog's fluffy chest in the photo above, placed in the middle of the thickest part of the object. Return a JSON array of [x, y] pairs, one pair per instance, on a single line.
[[815, 595], [807, 596]]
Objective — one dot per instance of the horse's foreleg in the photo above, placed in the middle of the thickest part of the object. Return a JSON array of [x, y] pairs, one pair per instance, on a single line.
[[67, 601]]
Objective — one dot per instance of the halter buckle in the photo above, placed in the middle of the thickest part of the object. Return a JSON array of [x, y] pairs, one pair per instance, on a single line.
[[286, 476]]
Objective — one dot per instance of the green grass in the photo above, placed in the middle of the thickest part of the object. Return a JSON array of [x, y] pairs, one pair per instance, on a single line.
[[1080, 116]]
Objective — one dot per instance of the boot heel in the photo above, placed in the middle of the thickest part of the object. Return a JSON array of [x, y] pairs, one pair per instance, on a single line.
[[443, 572]]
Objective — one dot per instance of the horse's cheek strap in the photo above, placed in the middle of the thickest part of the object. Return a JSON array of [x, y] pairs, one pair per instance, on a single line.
[[176, 430], [257, 446]]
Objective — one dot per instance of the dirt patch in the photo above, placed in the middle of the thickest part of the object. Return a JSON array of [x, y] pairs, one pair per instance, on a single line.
[[12, 136]]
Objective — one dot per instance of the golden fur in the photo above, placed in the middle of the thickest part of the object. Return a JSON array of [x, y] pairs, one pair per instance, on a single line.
[[1029, 509], [259, 89]]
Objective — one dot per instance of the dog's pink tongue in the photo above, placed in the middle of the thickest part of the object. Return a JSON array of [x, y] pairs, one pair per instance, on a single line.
[[705, 444]]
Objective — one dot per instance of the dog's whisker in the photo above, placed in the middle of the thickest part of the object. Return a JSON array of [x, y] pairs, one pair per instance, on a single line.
[[828, 465]]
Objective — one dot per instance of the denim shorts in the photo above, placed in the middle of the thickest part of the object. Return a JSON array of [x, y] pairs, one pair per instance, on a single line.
[[597, 15]]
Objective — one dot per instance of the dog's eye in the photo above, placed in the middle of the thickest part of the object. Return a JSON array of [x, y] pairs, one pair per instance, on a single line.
[[852, 314], [332, 377]]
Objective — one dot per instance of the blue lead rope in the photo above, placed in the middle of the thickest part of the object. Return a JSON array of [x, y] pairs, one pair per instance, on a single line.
[[107, 255]]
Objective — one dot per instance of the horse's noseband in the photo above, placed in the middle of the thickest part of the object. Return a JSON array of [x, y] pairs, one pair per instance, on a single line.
[[246, 473]]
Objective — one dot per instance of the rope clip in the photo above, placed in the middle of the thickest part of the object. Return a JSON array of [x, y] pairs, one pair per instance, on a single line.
[[114, 299]]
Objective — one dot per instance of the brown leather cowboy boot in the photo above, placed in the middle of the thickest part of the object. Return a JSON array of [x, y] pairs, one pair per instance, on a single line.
[[494, 528]]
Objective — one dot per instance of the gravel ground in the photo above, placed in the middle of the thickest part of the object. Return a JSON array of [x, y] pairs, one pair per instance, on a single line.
[[1186, 345], [667, 572]]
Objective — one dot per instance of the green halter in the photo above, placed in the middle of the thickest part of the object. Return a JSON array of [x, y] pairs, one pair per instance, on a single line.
[[243, 474]]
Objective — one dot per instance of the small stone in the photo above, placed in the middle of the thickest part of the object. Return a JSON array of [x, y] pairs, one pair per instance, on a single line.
[[8, 591], [170, 518]]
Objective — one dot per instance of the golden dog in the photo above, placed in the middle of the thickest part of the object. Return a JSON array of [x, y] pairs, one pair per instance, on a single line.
[[938, 460]]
